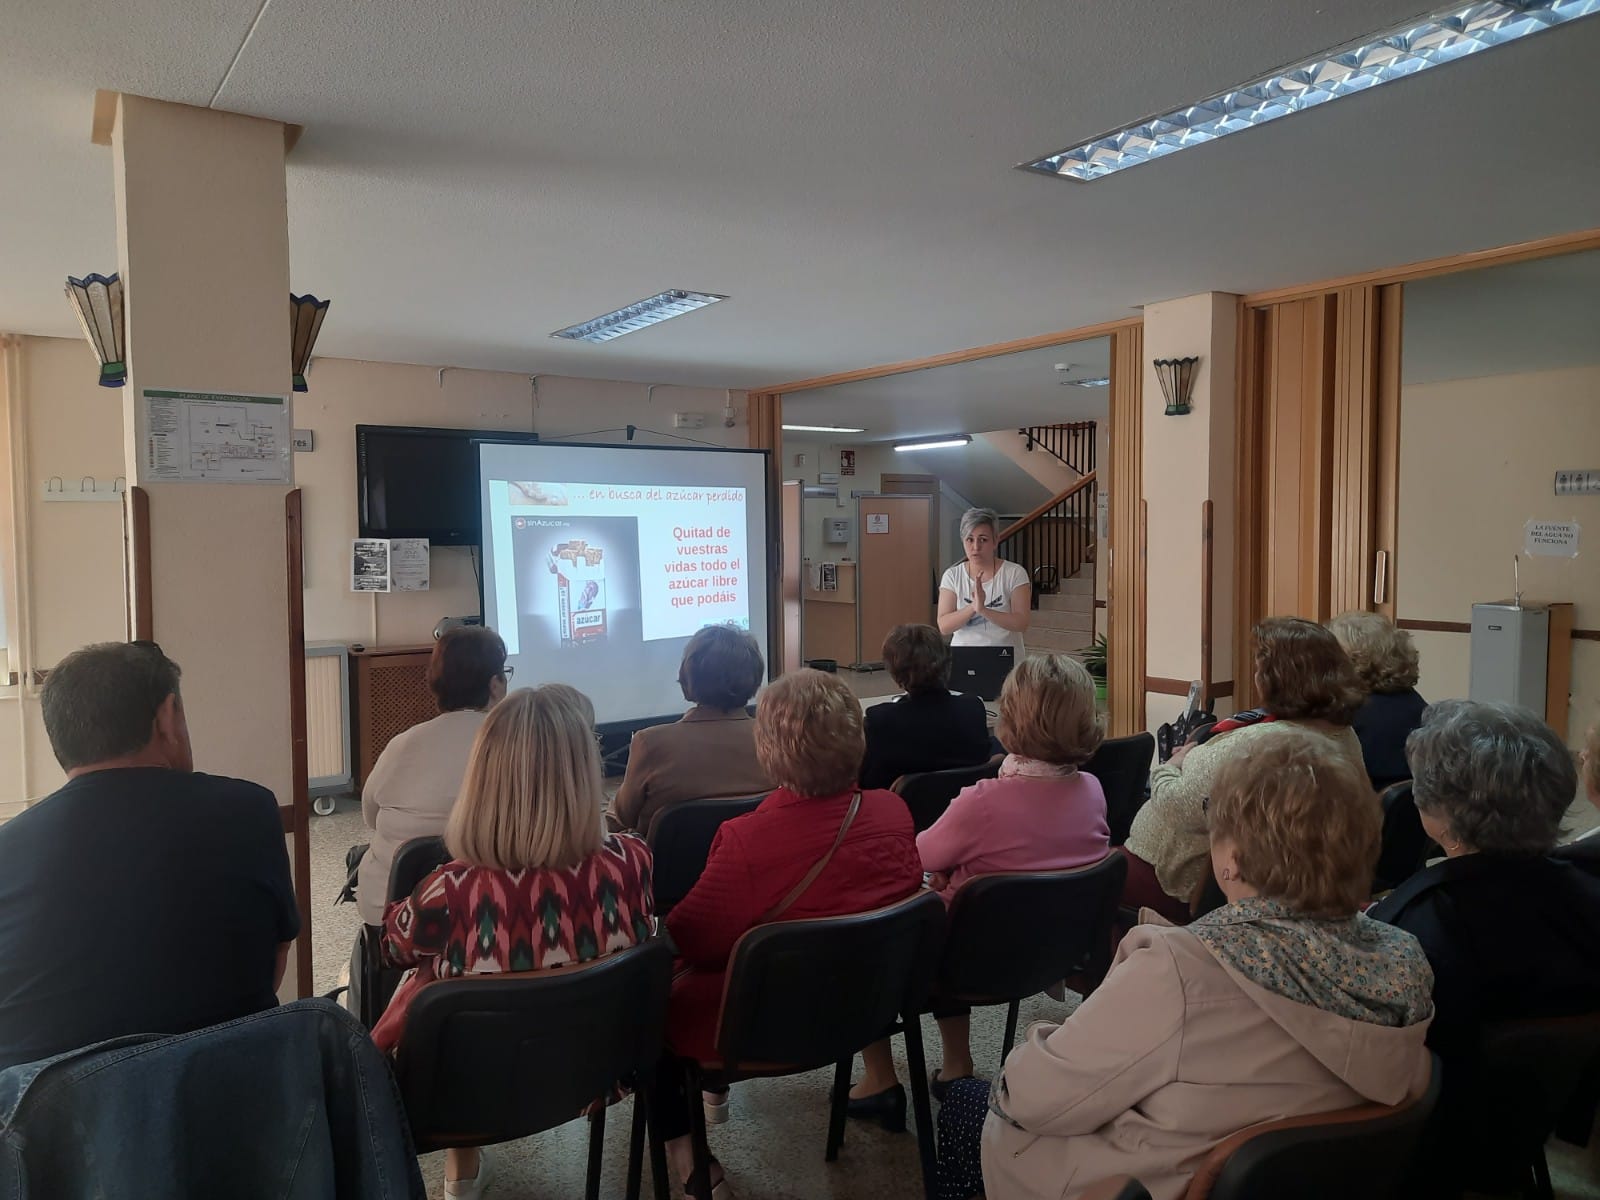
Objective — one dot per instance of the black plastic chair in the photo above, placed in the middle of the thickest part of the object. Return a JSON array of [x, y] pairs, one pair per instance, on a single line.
[[1013, 935], [680, 840], [1122, 765], [1405, 843], [412, 863], [489, 1058], [801, 995], [928, 793], [1528, 1075], [1364, 1151]]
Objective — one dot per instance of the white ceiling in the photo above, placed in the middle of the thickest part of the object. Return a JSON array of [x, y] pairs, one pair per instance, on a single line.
[[474, 176], [1010, 391], [1529, 316]]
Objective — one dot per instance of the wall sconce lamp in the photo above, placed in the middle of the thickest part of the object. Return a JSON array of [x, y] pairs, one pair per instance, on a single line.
[[1177, 383], [97, 299], [305, 322]]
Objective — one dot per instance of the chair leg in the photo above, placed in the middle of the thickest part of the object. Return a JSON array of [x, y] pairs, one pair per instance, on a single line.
[[917, 1067], [1012, 1013], [636, 1132], [597, 1147], [836, 1108], [1541, 1175], [700, 1178]]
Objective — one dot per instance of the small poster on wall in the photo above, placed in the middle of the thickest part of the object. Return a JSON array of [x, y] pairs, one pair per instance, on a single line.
[[409, 559], [877, 522], [1551, 539], [369, 565], [847, 462]]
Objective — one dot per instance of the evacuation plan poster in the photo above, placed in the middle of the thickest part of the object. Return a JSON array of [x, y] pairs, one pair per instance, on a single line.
[[214, 437]]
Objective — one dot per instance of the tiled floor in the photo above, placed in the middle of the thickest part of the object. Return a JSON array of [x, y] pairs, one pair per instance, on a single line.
[[773, 1148]]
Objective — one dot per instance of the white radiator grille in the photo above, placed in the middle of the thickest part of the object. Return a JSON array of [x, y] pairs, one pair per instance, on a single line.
[[327, 718]]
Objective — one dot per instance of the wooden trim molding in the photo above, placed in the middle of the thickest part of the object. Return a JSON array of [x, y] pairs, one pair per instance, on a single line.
[[1125, 599], [1386, 490], [141, 584], [299, 814], [1160, 685], [1564, 243], [1578, 635], [1206, 564], [995, 350]]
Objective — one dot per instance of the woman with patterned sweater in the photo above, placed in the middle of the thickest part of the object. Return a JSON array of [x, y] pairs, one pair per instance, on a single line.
[[533, 880]]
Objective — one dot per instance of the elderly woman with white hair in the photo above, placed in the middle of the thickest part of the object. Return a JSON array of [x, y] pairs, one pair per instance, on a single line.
[[984, 600], [1512, 932]]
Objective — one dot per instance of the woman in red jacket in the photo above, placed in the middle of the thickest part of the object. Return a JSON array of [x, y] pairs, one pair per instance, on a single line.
[[809, 739]]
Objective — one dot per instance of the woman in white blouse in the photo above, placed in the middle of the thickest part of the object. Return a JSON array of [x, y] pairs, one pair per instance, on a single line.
[[983, 599], [413, 785]]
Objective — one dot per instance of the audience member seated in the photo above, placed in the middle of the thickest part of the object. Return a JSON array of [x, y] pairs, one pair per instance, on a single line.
[[1305, 681], [1586, 846], [1511, 932], [930, 728], [141, 896], [763, 867], [1385, 659], [415, 781], [534, 881], [1284, 1002], [711, 751], [1041, 814]]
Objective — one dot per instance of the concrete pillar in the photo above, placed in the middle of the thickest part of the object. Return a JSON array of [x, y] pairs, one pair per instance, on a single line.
[[1186, 461], [203, 247]]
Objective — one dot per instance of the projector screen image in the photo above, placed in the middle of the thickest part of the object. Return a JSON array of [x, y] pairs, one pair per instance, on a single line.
[[600, 562]]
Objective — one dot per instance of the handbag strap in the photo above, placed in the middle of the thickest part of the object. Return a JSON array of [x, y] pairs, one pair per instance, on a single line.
[[810, 877]]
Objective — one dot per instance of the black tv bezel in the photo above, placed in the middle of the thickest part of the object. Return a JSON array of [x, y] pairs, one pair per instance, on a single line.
[[438, 536]]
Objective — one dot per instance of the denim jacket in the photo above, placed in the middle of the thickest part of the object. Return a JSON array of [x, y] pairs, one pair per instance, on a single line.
[[294, 1103]]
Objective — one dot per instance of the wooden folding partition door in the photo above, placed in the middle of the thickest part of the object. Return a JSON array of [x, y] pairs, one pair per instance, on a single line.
[[1318, 457], [896, 581]]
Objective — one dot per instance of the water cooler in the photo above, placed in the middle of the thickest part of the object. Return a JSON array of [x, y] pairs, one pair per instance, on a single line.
[[1510, 653]]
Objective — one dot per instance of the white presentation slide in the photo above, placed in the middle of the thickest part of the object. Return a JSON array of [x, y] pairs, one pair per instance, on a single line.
[[600, 562]]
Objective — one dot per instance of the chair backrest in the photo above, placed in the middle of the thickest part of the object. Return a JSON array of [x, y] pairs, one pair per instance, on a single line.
[[1529, 1072], [412, 863], [680, 840], [1362, 1151], [1122, 765], [1014, 934], [809, 993], [492, 1057], [1405, 842], [928, 793]]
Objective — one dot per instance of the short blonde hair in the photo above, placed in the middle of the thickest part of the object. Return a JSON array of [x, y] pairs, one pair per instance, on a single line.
[[1384, 656], [1303, 821], [1047, 711], [532, 795], [809, 736]]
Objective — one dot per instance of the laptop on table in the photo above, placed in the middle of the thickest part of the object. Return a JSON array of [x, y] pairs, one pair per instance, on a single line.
[[981, 670]]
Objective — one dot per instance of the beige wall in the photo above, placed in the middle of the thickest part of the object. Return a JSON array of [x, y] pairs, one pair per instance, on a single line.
[[73, 428], [1477, 460], [1187, 460]]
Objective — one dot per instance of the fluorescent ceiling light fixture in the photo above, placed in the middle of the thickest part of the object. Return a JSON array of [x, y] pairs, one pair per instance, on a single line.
[[1442, 37], [944, 443], [1097, 382], [639, 315], [823, 429]]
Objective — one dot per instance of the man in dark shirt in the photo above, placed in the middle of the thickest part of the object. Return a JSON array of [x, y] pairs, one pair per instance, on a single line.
[[141, 897]]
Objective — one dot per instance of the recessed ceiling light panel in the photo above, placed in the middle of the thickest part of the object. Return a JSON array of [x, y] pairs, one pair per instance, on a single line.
[[639, 315], [1098, 381], [1440, 38]]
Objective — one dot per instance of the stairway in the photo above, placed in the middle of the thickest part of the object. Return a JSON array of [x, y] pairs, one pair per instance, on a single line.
[[1064, 621]]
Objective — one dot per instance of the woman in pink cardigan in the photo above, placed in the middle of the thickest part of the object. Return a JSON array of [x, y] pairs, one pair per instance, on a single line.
[[1041, 814]]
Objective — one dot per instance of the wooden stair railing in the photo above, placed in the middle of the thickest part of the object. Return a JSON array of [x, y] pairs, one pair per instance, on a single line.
[[1053, 541]]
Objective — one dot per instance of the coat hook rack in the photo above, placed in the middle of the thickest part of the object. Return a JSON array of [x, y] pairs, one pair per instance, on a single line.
[[89, 490]]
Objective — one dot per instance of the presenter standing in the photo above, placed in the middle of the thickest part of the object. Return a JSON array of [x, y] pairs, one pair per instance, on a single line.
[[984, 600]]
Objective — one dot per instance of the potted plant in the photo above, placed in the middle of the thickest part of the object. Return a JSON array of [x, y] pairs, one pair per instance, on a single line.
[[1094, 661]]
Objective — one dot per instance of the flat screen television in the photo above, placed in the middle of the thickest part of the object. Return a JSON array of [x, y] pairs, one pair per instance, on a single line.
[[420, 482]]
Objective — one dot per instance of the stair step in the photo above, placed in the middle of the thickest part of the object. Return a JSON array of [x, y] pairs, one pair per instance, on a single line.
[[1062, 619], [1058, 641], [1066, 601]]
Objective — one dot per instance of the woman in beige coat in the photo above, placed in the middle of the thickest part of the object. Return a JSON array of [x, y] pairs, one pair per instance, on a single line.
[[1284, 1002]]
